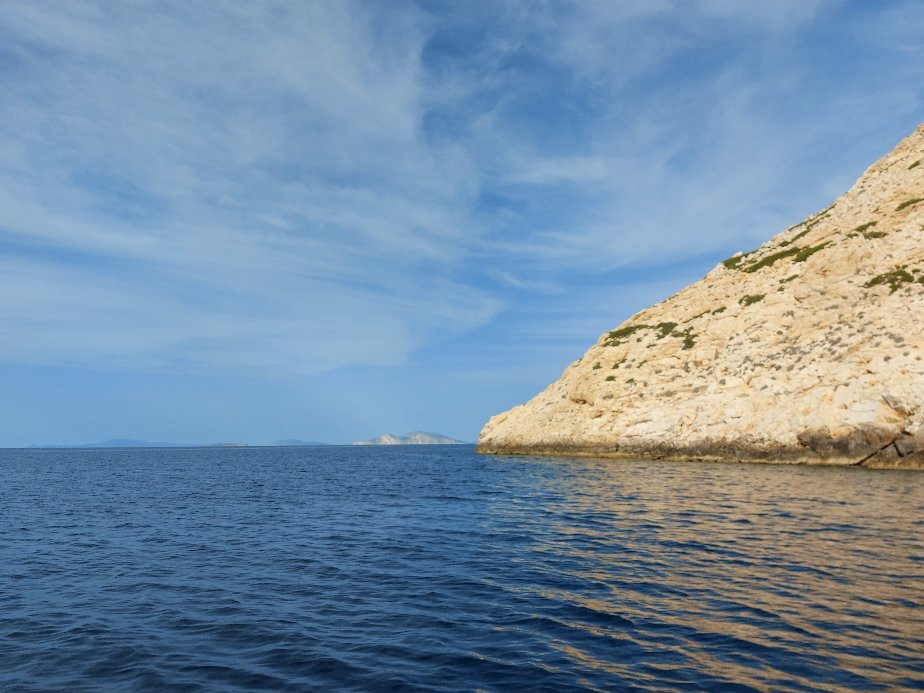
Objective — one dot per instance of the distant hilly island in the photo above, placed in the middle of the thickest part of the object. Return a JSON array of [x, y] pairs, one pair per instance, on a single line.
[[413, 438], [296, 443], [132, 443]]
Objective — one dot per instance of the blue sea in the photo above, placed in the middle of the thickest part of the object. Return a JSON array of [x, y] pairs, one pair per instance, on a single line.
[[432, 568]]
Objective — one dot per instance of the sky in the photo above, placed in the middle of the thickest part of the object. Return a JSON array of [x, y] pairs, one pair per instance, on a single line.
[[328, 220]]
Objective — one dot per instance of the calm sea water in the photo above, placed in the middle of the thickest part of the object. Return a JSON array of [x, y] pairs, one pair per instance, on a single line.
[[434, 568]]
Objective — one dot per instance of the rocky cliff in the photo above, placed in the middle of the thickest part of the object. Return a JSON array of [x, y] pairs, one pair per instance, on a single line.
[[809, 349]]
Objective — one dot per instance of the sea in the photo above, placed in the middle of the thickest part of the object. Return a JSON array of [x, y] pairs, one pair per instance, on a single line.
[[433, 568]]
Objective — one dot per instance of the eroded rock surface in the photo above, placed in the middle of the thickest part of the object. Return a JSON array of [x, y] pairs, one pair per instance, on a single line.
[[808, 349]]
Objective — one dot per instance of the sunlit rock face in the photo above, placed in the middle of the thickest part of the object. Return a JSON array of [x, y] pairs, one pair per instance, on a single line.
[[808, 349]]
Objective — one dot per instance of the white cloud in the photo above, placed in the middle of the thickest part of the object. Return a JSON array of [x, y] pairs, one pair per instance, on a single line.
[[263, 162], [707, 123], [296, 187]]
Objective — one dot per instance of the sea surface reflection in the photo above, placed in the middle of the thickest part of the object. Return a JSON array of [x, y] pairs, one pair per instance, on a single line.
[[430, 567]]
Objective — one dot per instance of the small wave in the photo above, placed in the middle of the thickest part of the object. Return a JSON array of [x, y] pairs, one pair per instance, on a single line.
[[418, 570]]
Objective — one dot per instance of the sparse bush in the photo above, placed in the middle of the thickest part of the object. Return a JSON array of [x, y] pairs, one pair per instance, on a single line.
[[665, 328], [794, 238], [770, 259], [751, 299], [908, 203], [864, 230], [807, 252], [893, 279], [818, 218], [735, 260], [616, 337], [796, 253]]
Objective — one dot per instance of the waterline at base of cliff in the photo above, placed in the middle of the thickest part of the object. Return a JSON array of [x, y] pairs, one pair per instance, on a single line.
[[902, 453]]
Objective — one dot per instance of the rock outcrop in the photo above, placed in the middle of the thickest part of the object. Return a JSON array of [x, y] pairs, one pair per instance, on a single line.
[[809, 349]]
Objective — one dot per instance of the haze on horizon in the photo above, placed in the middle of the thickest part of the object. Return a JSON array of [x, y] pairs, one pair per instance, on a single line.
[[333, 220]]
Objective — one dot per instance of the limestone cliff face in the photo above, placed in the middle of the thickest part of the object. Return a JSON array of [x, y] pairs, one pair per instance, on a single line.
[[808, 349]]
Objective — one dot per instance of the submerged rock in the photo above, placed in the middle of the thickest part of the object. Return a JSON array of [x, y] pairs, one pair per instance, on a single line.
[[809, 349]]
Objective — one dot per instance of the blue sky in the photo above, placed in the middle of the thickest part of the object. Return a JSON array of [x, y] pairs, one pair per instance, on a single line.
[[328, 220]]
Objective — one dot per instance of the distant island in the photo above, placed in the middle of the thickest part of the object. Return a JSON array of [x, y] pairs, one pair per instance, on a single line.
[[113, 443], [296, 443], [808, 349], [413, 438], [132, 443]]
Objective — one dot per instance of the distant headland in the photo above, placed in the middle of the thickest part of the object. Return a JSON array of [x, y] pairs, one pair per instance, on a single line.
[[413, 438], [297, 443]]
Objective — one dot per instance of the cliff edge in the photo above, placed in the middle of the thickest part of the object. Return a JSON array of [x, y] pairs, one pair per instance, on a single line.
[[809, 349]]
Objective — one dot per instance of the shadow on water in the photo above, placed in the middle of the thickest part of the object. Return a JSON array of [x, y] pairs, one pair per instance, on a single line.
[[431, 567]]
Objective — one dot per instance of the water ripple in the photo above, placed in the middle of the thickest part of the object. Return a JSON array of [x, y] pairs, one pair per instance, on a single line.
[[432, 568]]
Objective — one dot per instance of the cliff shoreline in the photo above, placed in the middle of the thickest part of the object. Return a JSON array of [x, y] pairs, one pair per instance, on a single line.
[[806, 350], [899, 453]]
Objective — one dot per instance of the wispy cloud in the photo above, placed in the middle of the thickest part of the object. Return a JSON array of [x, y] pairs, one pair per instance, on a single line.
[[224, 186], [293, 187], [604, 146]]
